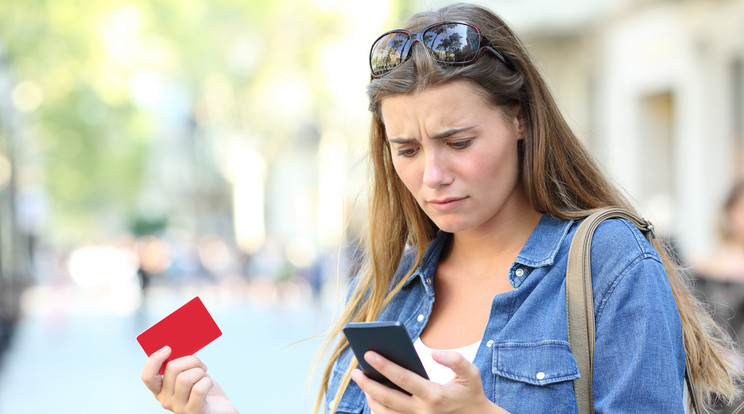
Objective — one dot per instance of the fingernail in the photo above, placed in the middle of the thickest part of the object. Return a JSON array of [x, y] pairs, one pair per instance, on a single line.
[[371, 356], [165, 349], [355, 373]]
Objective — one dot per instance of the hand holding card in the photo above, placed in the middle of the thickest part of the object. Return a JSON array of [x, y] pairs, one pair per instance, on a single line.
[[186, 330]]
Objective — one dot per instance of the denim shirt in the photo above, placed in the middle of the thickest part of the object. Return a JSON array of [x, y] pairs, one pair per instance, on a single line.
[[524, 358]]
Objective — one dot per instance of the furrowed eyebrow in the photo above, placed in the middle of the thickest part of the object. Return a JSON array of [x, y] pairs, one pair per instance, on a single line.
[[450, 132], [446, 134], [401, 141]]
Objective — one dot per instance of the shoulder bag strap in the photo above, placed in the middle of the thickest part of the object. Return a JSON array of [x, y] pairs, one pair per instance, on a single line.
[[580, 302]]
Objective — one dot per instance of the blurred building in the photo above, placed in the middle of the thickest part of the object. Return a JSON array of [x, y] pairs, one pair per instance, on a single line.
[[656, 90]]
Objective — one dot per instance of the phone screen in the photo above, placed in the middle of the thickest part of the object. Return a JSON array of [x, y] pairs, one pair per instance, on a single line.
[[387, 338]]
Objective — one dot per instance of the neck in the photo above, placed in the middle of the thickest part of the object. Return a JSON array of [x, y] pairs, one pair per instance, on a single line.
[[503, 239]]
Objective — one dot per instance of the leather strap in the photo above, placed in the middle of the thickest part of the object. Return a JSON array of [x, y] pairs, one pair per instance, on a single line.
[[580, 302], [739, 409], [580, 306]]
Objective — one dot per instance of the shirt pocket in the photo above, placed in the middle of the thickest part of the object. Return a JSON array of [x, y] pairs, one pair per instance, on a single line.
[[536, 363], [534, 376]]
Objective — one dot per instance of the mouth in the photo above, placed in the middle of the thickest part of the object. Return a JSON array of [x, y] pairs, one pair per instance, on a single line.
[[446, 203]]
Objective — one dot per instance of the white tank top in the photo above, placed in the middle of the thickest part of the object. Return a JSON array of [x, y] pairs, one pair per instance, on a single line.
[[439, 373]]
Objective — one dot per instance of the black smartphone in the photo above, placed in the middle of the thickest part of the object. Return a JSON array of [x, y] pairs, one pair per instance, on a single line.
[[387, 338]]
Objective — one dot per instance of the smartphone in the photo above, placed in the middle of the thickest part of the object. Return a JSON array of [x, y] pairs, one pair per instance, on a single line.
[[387, 338]]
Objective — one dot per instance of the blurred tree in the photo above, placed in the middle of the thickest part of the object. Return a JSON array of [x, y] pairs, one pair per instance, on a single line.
[[97, 68], [132, 100], [83, 139]]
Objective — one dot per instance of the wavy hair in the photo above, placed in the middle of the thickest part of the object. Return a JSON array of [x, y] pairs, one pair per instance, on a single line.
[[559, 177]]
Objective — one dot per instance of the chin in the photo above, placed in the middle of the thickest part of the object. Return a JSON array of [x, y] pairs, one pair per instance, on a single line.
[[451, 226]]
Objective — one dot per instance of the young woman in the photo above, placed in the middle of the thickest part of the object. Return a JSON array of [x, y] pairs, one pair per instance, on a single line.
[[478, 186], [477, 171]]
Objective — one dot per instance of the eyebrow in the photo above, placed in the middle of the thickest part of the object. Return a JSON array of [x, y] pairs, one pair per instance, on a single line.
[[445, 134]]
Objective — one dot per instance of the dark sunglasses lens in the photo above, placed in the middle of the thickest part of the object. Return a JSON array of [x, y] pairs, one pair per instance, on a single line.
[[387, 52], [452, 42]]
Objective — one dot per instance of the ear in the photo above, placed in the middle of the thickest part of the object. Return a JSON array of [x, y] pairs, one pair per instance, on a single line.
[[518, 121]]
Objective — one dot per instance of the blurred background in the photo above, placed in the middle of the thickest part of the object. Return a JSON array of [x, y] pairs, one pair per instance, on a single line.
[[151, 152]]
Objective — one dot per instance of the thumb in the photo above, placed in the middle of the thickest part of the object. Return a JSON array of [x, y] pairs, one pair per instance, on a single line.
[[457, 363]]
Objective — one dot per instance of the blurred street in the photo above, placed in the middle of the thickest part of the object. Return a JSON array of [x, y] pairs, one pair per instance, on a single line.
[[151, 152], [74, 354]]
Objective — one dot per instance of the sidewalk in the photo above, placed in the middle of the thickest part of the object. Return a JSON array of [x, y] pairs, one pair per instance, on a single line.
[[88, 362]]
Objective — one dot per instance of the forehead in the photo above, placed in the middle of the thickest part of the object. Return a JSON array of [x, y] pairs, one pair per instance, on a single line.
[[453, 102]]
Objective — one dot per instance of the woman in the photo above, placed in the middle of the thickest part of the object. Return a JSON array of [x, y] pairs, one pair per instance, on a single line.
[[727, 261], [720, 275], [475, 169]]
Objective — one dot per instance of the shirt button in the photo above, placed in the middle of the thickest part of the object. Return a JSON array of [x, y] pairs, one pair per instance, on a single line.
[[330, 405], [428, 281], [540, 375], [420, 317], [520, 272], [489, 343]]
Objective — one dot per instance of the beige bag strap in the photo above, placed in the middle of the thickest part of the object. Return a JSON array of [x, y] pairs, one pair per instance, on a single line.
[[580, 302]]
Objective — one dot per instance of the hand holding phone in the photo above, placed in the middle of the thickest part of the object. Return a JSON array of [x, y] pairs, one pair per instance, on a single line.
[[387, 338], [186, 330]]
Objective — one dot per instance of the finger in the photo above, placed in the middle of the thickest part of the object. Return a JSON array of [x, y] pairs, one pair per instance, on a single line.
[[377, 408], [405, 379], [185, 383], [176, 367], [198, 396], [382, 395], [457, 363], [150, 372]]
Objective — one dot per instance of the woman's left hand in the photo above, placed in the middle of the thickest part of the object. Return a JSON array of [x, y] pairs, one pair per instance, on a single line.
[[463, 394]]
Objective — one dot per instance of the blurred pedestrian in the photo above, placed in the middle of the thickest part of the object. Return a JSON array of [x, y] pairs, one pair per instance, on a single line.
[[727, 261], [477, 174], [720, 274]]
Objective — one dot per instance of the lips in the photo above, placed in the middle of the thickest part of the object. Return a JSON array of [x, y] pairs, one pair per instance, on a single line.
[[446, 203]]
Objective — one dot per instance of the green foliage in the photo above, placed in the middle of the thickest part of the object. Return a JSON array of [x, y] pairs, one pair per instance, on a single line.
[[95, 136]]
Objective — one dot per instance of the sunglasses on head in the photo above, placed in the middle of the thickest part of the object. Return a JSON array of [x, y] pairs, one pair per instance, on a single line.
[[453, 43]]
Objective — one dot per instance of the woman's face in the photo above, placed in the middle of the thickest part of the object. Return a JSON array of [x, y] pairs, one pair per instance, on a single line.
[[457, 155]]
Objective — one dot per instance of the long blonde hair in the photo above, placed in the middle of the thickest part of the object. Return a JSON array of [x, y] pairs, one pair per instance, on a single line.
[[559, 176]]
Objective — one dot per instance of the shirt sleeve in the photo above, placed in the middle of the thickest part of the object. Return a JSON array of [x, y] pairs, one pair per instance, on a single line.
[[639, 359]]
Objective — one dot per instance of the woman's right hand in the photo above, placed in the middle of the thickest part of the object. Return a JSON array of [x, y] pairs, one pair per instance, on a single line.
[[184, 387]]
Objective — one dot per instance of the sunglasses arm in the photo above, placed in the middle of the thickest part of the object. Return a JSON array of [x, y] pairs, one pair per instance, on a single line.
[[500, 57]]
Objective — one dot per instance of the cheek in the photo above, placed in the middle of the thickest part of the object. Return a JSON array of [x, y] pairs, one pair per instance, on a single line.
[[499, 165], [405, 172]]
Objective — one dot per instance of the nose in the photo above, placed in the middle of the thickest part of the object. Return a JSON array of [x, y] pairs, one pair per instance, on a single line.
[[436, 171]]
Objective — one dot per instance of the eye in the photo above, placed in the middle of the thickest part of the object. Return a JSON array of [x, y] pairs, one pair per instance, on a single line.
[[461, 144], [407, 152]]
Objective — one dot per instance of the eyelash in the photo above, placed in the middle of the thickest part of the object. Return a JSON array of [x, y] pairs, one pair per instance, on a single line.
[[457, 145], [408, 152], [461, 144]]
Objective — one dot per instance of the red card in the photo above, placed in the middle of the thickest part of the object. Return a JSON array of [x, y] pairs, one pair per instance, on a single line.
[[186, 330]]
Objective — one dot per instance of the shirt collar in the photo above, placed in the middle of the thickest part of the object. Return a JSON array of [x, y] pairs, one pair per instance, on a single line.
[[430, 261], [543, 244], [540, 249]]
